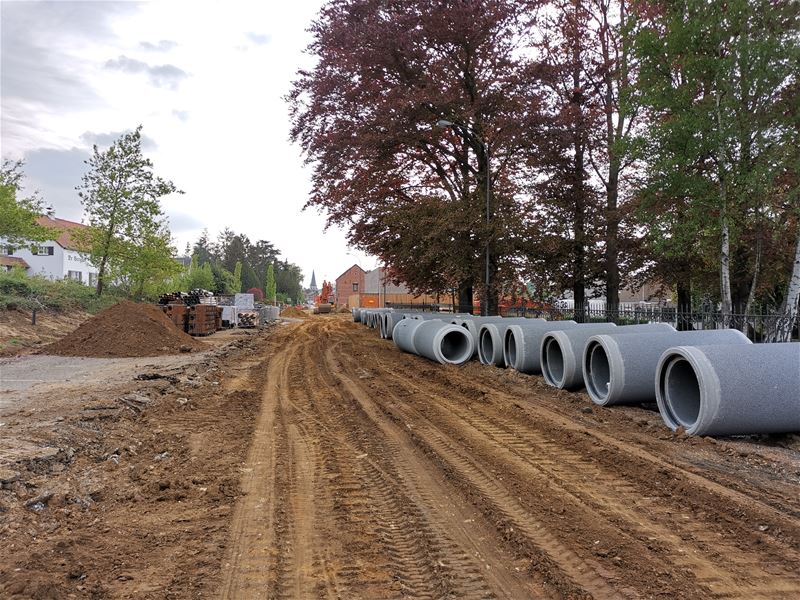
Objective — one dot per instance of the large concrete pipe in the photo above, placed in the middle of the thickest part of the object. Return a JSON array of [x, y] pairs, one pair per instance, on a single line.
[[443, 342], [403, 334], [473, 325], [562, 351], [522, 343], [491, 336], [356, 315], [730, 389], [389, 320], [620, 369], [427, 316]]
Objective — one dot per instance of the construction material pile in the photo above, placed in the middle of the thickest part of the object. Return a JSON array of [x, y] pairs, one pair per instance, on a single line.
[[203, 319], [294, 313], [126, 329], [249, 318]]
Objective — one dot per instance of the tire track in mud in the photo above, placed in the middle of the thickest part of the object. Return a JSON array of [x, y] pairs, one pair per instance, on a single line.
[[650, 521], [378, 474]]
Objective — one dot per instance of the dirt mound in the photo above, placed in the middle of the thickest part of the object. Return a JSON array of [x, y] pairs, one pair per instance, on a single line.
[[294, 313], [126, 329]]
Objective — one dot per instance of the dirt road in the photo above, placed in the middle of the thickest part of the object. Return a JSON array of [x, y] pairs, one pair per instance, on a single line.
[[375, 474], [314, 460]]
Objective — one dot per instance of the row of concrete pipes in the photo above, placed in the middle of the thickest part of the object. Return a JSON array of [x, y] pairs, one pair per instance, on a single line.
[[712, 382]]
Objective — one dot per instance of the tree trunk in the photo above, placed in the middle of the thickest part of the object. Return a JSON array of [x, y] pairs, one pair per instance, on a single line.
[[612, 247], [725, 235], [465, 297], [751, 297], [684, 320], [579, 248], [790, 303]]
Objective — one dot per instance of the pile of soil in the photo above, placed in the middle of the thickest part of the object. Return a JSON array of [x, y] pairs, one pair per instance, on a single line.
[[126, 329], [294, 312]]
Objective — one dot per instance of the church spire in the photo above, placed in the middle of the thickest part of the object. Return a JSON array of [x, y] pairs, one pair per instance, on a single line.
[[313, 285]]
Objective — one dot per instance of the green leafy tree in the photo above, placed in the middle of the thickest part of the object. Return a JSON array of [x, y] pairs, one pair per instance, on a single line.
[[270, 287], [18, 215], [121, 195], [712, 76], [147, 266]]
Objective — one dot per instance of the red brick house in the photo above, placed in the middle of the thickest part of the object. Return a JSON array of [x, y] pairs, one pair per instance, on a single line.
[[348, 283]]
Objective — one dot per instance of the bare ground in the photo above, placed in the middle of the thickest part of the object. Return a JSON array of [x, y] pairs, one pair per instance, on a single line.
[[319, 462]]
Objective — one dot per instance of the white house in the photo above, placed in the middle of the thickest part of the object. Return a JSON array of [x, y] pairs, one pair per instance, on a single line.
[[58, 258]]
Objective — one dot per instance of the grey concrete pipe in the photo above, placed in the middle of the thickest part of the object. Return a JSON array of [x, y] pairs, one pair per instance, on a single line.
[[473, 325], [389, 320], [522, 343], [443, 342], [730, 389], [356, 315], [620, 369], [491, 337], [562, 351], [403, 334]]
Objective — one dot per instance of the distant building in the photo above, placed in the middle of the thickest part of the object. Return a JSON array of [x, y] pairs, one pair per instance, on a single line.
[[313, 291], [59, 258], [348, 283]]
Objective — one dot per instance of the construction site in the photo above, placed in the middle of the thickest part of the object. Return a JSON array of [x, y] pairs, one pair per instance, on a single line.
[[312, 458]]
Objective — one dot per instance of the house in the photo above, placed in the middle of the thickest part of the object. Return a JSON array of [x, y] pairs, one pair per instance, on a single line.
[[374, 289], [59, 258], [348, 283]]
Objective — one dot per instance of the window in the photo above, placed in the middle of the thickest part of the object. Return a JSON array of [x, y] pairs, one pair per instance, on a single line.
[[92, 279], [76, 275], [42, 250], [355, 287], [8, 250]]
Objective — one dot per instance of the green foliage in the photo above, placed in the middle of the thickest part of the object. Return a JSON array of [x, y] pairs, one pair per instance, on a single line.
[[121, 195], [270, 285], [18, 290], [18, 215], [197, 277], [237, 277]]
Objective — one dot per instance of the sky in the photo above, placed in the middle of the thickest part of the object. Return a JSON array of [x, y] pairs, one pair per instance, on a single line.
[[205, 79]]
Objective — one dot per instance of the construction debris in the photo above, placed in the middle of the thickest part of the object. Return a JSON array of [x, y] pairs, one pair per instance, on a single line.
[[126, 329]]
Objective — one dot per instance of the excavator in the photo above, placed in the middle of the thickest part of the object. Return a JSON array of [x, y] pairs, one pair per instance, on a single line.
[[324, 302]]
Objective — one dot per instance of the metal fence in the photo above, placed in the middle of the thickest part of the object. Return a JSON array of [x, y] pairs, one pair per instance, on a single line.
[[759, 327]]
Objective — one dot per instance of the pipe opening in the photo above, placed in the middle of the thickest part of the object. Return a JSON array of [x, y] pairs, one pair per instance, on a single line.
[[681, 391], [510, 349], [455, 346], [598, 371], [487, 346], [553, 365]]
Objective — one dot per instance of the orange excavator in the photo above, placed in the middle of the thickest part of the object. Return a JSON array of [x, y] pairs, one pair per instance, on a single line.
[[325, 298]]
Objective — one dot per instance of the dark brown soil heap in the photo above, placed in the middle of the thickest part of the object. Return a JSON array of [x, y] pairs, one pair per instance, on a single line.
[[126, 329], [294, 312]]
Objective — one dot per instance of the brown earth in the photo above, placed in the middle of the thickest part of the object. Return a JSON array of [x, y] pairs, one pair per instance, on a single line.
[[294, 313], [126, 329], [18, 335], [326, 464]]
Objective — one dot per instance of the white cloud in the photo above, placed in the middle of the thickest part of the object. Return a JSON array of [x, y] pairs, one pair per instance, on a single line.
[[232, 157]]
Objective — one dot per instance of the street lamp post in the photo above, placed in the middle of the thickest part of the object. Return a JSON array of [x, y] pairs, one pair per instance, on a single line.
[[468, 132]]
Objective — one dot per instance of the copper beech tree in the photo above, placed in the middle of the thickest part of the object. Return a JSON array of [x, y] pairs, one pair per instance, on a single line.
[[406, 190]]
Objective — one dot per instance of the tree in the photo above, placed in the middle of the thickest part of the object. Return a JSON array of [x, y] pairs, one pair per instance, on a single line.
[[269, 286], [120, 195], [145, 266], [365, 117], [18, 215], [237, 277], [712, 76]]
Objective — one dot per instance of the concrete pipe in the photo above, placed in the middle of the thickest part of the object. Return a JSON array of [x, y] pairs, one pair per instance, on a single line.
[[522, 343], [443, 342], [620, 369], [388, 322], [356, 315], [473, 325], [491, 336], [561, 352], [403, 334], [730, 389]]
